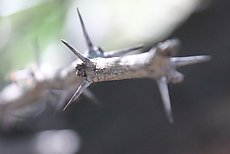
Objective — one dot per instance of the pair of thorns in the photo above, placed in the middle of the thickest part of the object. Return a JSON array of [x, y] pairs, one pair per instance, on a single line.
[[158, 63]]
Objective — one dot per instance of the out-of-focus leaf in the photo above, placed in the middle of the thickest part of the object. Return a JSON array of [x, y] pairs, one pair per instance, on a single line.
[[43, 22]]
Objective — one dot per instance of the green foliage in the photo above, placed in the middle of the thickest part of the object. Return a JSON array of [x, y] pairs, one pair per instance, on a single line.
[[43, 22]]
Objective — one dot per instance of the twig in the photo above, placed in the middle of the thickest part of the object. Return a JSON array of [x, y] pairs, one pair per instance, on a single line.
[[100, 66], [156, 64], [32, 85]]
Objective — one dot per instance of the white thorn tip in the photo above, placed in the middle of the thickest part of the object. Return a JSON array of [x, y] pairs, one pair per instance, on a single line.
[[163, 87], [183, 61]]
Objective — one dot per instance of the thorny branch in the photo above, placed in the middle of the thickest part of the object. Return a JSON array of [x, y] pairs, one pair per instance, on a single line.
[[99, 66]]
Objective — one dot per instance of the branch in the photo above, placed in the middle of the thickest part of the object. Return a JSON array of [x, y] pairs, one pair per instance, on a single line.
[[157, 64], [99, 66], [33, 86]]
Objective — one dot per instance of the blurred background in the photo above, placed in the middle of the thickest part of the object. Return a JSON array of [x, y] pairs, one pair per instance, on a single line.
[[130, 119]]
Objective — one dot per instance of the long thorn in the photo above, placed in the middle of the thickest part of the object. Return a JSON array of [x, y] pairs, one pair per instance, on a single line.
[[163, 87], [77, 53], [183, 61], [91, 96], [122, 52], [87, 38], [78, 92]]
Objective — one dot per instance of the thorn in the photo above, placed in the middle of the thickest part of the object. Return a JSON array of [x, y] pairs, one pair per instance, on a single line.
[[59, 104], [122, 52], [95, 52], [163, 87], [87, 38], [183, 61], [78, 92], [77, 53], [91, 96]]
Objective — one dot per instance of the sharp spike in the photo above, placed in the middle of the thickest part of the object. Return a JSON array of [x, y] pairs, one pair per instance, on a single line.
[[122, 52], [77, 53], [63, 97], [163, 87], [183, 61], [91, 96], [87, 38], [78, 92]]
